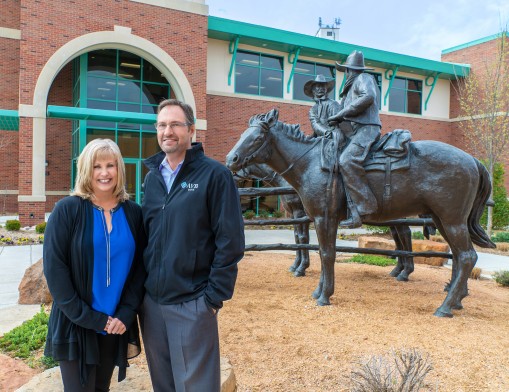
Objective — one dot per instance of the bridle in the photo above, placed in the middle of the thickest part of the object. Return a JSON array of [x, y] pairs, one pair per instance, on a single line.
[[290, 167]]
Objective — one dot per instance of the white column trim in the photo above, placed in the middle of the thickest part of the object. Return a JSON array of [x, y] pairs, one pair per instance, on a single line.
[[6, 32]]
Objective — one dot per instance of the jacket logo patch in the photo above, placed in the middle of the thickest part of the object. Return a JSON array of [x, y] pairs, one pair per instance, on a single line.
[[190, 187]]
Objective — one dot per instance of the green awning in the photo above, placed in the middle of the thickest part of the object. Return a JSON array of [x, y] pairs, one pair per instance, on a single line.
[[9, 120]]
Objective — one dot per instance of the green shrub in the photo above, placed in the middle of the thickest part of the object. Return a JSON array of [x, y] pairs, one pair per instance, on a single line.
[[417, 235], [26, 340], [263, 214], [380, 261], [502, 278], [278, 214], [501, 209], [378, 229], [13, 225], [40, 228], [502, 236], [249, 214]]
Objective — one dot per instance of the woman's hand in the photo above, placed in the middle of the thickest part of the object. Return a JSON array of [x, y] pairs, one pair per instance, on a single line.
[[115, 326]]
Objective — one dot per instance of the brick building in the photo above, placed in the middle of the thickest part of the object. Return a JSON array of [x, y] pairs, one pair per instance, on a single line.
[[74, 71]]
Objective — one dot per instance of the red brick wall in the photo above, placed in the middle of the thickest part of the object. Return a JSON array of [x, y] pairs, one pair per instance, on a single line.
[[9, 16], [9, 73], [9, 171], [479, 57]]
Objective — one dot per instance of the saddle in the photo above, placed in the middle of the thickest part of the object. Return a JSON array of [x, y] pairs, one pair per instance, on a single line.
[[392, 152]]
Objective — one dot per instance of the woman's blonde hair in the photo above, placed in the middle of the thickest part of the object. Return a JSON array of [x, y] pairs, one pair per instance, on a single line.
[[98, 149]]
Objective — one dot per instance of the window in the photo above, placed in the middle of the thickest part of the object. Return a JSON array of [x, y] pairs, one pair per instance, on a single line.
[[406, 96], [378, 81], [118, 80], [259, 74], [306, 71]]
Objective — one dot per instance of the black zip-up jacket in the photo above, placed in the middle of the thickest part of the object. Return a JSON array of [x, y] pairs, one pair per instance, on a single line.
[[68, 267], [195, 232]]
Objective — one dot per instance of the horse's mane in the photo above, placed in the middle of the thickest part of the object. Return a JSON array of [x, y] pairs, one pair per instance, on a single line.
[[291, 130]]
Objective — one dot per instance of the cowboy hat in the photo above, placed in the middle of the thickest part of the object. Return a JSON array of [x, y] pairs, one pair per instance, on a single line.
[[320, 79], [354, 61]]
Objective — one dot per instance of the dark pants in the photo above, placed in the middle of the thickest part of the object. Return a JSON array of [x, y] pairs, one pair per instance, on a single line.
[[99, 377], [182, 346], [354, 175]]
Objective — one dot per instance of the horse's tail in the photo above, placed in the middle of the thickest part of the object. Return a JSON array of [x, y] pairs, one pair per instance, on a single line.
[[477, 233]]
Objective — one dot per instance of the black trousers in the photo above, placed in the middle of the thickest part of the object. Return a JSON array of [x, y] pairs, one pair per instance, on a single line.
[[99, 377]]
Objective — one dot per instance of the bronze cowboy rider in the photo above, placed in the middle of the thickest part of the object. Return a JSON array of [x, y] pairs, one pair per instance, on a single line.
[[359, 106], [319, 90]]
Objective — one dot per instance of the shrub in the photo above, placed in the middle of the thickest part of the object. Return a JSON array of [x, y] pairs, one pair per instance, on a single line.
[[502, 278], [40, 228], [278, 214], [417, 235], [501, 236], [437, 238], [503, 246], [501, 209], [403, 370], [13, 225], [476, 273], [264, 214], [380, 261], [378, 229], [249, 214], [27, 340]]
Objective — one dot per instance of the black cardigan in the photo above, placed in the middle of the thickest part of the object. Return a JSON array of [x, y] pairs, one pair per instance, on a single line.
[[68, 267]]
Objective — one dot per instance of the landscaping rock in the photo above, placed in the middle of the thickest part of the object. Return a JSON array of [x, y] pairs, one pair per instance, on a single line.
[[417, 246], [137, 379], [33, 289]]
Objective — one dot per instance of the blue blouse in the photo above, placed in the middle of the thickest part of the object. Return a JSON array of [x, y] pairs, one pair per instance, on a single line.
[[113, 257]]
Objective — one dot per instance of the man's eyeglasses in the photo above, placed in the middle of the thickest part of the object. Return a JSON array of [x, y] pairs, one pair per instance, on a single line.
[[161, 126]]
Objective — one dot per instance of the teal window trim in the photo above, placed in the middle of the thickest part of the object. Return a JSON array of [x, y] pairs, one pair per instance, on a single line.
[[292, 61], [234, 57], [391, 80], [260, 68], [432, 85], [72, 113], [9, 120], [407, 92]]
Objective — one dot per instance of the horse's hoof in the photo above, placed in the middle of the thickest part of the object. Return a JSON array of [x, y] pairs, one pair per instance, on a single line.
[[323, 302], [292, 269], [442, 313], [299, 273], [316, 294], [393, 273], [402, 278]]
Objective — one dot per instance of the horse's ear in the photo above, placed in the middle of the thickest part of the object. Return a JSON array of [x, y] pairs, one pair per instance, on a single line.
[[271, 117]]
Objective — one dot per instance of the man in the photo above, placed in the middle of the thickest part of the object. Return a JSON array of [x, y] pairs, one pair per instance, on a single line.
[[359, 106], [191, 212], [319, 90]]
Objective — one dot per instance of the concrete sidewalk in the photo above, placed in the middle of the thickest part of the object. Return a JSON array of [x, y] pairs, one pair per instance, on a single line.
[[14, 260]]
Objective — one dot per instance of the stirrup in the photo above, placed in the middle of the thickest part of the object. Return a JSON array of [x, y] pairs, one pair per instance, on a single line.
[[351, 223]]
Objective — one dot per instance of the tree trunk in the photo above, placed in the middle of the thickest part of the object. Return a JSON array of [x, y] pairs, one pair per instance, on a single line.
[[489, 224]]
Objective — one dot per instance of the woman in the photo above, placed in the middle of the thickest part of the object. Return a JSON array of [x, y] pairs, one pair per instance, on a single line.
[[92, 253]]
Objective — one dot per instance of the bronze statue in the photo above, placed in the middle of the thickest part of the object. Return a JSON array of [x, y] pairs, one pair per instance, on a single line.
[[292, 204], [441, 180], [359, 106], [319, 114]]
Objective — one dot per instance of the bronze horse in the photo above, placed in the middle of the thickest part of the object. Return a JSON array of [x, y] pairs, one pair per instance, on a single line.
[[401, 234], [442, 181]]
